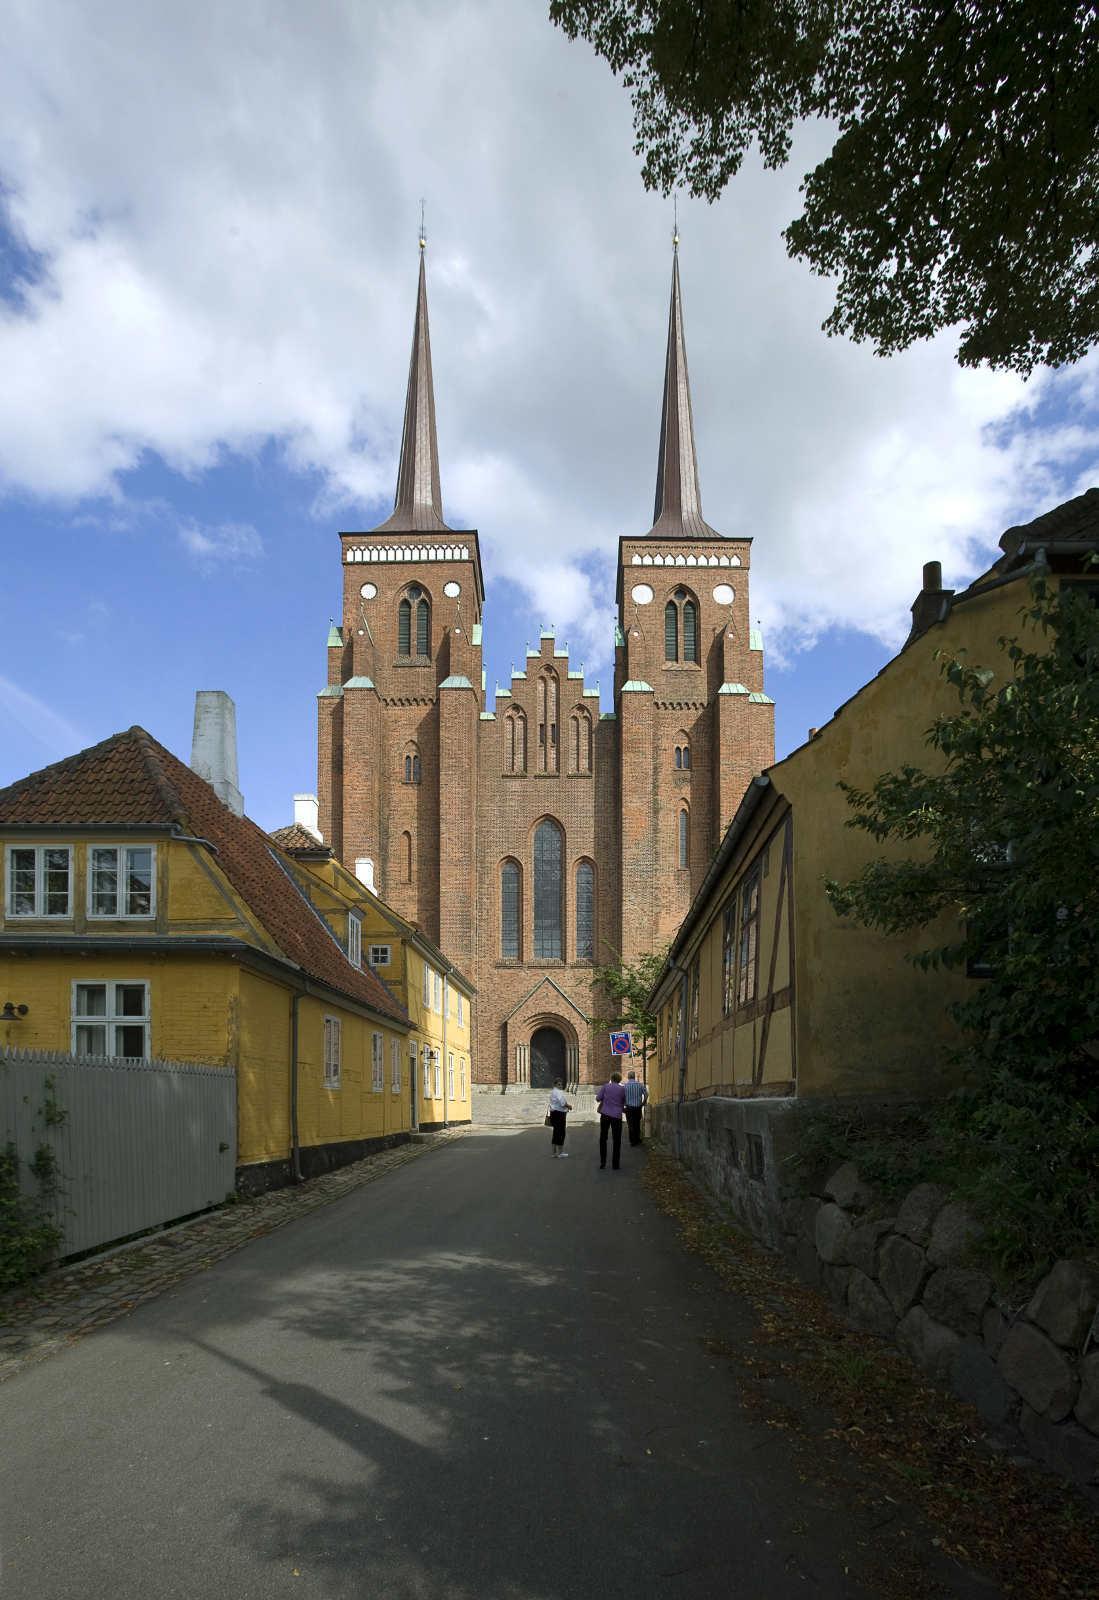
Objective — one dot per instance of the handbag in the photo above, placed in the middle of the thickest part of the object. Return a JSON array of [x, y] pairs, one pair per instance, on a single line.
[[549, 1120]]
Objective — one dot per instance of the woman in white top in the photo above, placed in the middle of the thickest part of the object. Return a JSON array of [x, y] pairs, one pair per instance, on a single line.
[[558, 1110]]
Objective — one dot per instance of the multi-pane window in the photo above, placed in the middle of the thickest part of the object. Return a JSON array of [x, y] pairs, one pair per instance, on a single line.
[[681, 628], [377, 1063], [379, 955], [438, 1074], [412, 766], [427, 1071], [120, 881], [437, 979], [414, 623], [684, 838], [111, 1019], [547, 892], [395, 1065], [509, 911], [461, 1010], [461, 1077], [728, 951], [450, 1074], [683, 758], [39, 880], [585, 911], [354, 940], [427, 987], [749, 940], [332, 1031]]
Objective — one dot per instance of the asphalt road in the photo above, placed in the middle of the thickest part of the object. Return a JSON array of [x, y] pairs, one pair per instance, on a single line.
[[481, 1376]]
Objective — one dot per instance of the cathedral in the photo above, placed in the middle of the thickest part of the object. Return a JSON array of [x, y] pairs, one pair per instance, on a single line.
[[539, 837]]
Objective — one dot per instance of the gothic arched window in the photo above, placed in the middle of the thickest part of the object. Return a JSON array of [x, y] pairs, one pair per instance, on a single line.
[[585, 911], [684, 841], [547, 892], [411, 763], [515, 741], [406, 858], [509, 911], [547, 722], [682, 752], [681, 628], [580, 740], [414, 622]]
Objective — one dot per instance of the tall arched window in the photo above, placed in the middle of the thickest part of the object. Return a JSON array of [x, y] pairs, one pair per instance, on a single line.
[[681, 628], [411, 763], [547, 892], [580, 740], [585, 911], [682, 752], [509, 911], [406, 858], [414, 623], [515, 741], [684, 840], [547, 722]]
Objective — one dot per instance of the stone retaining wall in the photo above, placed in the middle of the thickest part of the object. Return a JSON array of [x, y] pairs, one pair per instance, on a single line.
[[1031, 1372]]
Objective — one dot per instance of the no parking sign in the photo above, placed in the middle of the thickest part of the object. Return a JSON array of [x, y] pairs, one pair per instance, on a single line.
[[620, 1044]]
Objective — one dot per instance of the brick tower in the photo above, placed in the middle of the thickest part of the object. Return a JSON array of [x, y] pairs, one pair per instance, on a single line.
[[533, 840]]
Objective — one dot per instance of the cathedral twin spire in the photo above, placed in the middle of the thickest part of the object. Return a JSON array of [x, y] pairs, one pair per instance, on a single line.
[[418, 505]]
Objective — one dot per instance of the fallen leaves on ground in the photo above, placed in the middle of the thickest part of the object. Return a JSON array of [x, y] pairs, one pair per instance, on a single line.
[[849, 1404]]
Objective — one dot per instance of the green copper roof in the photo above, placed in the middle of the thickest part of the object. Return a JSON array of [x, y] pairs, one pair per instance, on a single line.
[[475, 635], [359, 683], [548, 633], [488, 716], [594, 692], [619, 637], [515, 673], [457, 680], [733, 688], [608, 716], [761, 699], [332, 692], [335, 637], [637, 686], [755, 639]]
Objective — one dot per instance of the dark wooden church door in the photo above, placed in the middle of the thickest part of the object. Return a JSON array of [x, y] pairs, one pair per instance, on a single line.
[[547, 1058]]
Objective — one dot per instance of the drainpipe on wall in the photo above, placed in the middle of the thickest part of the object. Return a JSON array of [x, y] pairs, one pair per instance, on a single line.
[[295, 1147], [682, 1048], [446, 1075]]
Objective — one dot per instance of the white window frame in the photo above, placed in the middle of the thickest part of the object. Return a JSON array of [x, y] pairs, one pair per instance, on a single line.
[[39, 912], [395, 1065], [461, 1009], [427, 986], [438, 982], [112, 1018], [333, 1030], [438, 1074], [122, 853], [427, 1071], [354, 939], [377, 1063], [412, 1064], [462, 1077], [450, 1075], [380, 955], [446, 999]]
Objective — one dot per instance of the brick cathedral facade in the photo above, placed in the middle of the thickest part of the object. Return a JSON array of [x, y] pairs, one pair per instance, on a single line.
[[535, 838]]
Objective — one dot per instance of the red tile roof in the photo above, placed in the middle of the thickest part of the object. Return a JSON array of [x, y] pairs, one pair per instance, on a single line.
[[130, 780], [296, 840]]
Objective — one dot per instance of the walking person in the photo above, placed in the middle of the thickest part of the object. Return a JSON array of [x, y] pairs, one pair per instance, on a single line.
[[559, 1109], [610, 1099], [636, 1096]]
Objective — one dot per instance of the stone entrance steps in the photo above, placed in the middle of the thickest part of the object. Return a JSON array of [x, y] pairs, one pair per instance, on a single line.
[[518, 1106]]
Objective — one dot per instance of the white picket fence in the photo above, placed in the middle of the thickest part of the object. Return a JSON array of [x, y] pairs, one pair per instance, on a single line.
[[141, 1143]]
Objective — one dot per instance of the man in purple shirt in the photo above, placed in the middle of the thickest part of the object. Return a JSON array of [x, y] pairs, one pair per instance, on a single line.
[[610, 1099]]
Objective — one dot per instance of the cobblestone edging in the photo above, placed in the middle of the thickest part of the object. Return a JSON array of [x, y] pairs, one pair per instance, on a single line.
[[62, 1306]]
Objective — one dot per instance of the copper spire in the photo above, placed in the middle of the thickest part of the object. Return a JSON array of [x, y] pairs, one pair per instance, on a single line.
[[678, 509], [418, 506]]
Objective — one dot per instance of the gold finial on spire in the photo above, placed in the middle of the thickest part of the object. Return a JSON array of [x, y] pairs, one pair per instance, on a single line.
[[423, 235]]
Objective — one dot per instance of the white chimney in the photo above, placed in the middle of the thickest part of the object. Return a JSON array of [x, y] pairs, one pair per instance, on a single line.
[[307, 813], [214, 746], [364, 871]]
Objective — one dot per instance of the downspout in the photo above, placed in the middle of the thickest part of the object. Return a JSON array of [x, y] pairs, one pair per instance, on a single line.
[[446, 1016], [682, 1048], [295, 1147]]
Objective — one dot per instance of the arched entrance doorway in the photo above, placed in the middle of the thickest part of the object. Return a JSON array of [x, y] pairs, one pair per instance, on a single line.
[[547, 1058]]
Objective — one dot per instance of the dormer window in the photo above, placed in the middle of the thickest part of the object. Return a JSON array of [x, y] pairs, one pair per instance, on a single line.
[[355, 940]]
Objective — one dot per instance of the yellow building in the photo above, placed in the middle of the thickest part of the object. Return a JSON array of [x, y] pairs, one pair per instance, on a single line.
[[143, 917], [437, 997], [769, 995]]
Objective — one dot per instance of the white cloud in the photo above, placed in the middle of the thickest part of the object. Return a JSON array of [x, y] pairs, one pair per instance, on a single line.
[[46, 728], [227, 201]]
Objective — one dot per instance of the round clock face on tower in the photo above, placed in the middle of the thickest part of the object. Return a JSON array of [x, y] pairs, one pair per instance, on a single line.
[[452, 590], [641, 594], [724, 595], [368, 591]]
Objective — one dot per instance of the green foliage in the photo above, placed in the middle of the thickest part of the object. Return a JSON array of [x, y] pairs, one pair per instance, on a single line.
[[1008, 831], [963, 184], [28, 1232], [627, 986]]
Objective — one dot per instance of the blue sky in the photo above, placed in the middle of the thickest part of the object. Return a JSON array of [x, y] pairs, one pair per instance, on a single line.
[[207, 276]]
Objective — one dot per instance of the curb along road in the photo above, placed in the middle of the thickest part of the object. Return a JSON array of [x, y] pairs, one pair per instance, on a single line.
[[41, 1318]]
